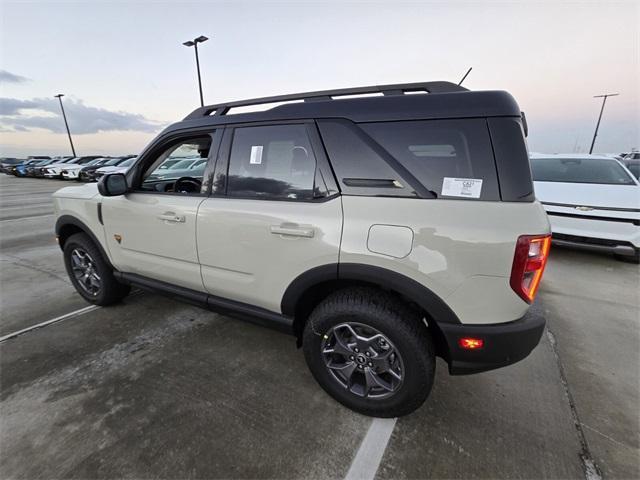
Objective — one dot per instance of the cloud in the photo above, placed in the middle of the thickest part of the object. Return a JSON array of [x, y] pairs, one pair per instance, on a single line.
[[21, 115], [8, 77]]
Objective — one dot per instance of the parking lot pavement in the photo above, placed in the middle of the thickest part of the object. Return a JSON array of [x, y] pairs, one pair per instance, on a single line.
[[156, 388]]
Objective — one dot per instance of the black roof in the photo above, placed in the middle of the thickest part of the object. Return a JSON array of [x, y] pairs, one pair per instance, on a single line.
[[436, 100]]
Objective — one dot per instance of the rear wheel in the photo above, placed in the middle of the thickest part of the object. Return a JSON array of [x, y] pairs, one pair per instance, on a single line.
[[89, 272], [370, 352]]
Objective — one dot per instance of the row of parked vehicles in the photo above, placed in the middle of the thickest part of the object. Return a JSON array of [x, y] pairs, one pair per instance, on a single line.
[[92, 168]]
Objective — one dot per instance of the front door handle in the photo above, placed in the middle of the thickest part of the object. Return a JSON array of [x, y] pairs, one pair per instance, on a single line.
[[172, 217], [292, 230]]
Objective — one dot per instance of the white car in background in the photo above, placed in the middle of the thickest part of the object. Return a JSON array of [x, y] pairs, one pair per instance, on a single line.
[[121, 168], [71, 172], [592, 201]]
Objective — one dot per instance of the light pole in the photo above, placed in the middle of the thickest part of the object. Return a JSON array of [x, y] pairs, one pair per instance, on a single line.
[[604, 101], [59, 97], [194, 43]]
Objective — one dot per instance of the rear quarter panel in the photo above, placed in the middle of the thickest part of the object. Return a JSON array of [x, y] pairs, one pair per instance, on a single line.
[[461, 250]]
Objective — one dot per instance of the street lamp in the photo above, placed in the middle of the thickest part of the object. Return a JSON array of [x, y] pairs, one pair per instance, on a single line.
[[194, 43], [59, 97], [604, 100]]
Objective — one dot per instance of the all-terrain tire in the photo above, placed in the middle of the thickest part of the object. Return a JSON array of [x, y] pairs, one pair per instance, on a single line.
[[392, 318], [110, 291]]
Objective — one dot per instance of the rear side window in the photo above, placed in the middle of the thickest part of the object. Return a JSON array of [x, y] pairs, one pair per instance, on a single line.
[[272, 162], [452, 158]]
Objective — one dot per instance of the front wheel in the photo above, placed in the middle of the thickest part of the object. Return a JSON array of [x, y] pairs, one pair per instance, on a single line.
[[370, 352], [89, 272]]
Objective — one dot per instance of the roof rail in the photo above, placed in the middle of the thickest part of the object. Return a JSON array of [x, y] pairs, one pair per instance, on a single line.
[[322, 95]]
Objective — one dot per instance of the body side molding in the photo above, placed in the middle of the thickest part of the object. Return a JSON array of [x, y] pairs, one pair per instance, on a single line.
[[220, 305]]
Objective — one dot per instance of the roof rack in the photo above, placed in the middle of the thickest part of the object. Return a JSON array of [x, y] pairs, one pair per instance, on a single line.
[[323, 95]]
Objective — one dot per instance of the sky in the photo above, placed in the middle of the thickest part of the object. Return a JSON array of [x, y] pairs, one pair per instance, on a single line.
[[126, 75]]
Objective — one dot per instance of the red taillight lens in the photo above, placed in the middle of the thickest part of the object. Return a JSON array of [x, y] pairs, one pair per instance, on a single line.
[[469, 343], [529, 261]]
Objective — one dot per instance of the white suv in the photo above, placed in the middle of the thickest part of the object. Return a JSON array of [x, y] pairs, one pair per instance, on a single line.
[[381, 231]]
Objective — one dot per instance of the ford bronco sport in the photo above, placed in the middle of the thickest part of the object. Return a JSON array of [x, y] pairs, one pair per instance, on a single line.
[[382, 226]]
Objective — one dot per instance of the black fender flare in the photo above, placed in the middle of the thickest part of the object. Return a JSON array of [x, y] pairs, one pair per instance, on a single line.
[[431, 303], [65, 220]]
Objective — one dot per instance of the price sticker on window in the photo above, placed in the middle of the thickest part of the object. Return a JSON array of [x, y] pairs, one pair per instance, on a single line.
[[256, 155], [461, 187]]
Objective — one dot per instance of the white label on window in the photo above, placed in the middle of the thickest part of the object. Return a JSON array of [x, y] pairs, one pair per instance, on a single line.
[[256, 155], [461, 187]]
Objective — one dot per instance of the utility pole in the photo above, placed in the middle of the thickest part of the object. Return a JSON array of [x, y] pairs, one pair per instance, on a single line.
[[59, 97], [604, 101], [194, 43], [465, 76]]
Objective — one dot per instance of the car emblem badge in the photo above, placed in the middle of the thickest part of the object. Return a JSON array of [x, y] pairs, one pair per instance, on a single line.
[[584, 209], [118, 238]]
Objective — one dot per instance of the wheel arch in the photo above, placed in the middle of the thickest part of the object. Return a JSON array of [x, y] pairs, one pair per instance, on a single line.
[[68, 225], [311, 287]]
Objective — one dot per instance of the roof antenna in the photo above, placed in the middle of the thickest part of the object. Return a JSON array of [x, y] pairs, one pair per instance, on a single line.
[[465, 76]]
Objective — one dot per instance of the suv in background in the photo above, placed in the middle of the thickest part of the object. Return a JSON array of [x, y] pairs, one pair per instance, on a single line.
[[381, 231]]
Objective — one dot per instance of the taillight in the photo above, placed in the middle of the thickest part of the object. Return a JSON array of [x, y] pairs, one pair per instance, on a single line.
[[529, 261]]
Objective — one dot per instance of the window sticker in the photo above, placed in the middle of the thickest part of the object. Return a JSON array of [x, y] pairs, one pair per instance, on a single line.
[[461, 187], [256, 155]]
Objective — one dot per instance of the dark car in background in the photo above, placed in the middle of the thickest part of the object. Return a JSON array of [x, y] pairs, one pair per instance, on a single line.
[[7, 163], [88, 173]]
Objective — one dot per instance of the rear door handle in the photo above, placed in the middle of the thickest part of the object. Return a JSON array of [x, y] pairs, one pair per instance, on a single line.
[[172, 217], [292, 230]]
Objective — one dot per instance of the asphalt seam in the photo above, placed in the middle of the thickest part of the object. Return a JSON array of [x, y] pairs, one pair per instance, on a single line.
[[66, 316], [591, 470]]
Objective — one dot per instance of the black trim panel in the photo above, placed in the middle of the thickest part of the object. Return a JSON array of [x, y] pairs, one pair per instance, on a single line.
[[414, 291], [595, 217], [220, 305], [504, 343]]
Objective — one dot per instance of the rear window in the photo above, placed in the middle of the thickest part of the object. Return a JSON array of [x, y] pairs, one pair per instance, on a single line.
[[452, 158], [580, 170]]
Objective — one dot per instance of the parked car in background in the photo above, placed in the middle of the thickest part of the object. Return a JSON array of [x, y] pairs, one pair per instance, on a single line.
[[72, 172], [38, 170], [6, 164], [31, 169], [164, 179], [120, 168], [88, 173], [592, 201], [55, 170], [633, 166], [20, 170]]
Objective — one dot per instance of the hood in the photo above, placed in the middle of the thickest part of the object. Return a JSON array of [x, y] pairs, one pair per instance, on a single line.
[[73, 166], [86, 191], [589, 195]]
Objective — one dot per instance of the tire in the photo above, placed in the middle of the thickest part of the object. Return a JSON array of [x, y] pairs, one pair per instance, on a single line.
[[82, 258], [364, 312]]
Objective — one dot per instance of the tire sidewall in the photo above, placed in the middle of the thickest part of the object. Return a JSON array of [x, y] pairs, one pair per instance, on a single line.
[[104, 271], [416, 353]]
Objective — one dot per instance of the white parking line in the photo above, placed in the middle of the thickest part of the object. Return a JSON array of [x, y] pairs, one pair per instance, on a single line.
[[367, 460], [75, 313]]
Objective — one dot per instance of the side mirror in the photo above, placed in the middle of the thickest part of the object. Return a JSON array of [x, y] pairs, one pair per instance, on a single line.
[[112, 185]]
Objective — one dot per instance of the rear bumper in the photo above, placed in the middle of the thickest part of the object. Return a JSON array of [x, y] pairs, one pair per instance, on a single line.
[[504, 343]]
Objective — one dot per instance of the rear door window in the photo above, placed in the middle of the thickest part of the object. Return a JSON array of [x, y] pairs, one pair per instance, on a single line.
[[454, 154], [274, 162]]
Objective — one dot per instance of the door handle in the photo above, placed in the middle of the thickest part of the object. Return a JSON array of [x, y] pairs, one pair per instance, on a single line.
[[292, 230], [172, 217]]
